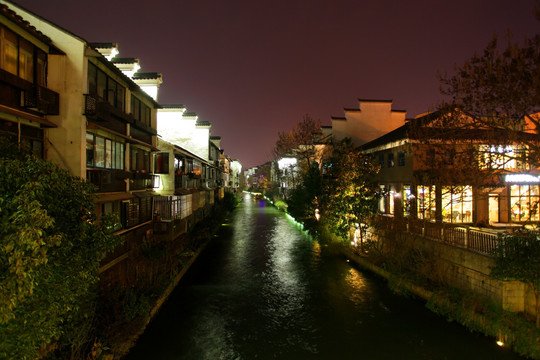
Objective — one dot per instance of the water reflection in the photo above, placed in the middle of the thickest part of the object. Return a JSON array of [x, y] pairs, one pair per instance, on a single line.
[[265, 290]]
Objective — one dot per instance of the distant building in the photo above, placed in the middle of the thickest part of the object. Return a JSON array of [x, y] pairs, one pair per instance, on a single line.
[[372, 119]]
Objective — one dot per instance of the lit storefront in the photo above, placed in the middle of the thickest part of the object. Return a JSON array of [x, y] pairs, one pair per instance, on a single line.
[[524, 197], [426, 205], [457, 204]]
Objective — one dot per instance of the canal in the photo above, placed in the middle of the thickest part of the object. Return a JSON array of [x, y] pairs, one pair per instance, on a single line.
[[263, 289]]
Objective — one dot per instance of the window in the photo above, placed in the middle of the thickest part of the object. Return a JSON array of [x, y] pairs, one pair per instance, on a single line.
[[457, 204], [161, 163], [178, 165], [406, 200], [26, 60], [426, 202], [105, 87], [391, 203], [9, 51], [391, 160], [524, 202], [140, 160], [381, 160], [504, 157], [104, 153], [140, 111], [21, 58], [382, 199], [401, 158]]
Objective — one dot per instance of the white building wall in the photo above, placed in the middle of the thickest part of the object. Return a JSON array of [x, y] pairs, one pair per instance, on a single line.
[[172, 126]]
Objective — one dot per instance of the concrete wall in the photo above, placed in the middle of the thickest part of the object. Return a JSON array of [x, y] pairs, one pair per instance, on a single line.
[[468, 270]]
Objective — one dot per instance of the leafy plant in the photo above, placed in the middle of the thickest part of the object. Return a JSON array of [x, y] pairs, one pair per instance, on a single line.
[[51, 244]]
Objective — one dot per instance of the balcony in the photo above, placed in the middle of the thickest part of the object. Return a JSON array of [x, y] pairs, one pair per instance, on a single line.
[[141, 181], [99, 110], [20, 94], [42, 99], [108, 180], [186, 182]]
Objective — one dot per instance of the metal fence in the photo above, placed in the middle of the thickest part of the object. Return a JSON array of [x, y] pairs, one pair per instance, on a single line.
[[483, 241]]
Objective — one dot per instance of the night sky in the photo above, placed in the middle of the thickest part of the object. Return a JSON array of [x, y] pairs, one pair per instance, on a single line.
[[256, 67]]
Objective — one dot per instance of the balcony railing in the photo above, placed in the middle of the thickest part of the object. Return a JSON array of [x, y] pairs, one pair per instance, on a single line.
[[108, 180], [42, 99], [100, 110]]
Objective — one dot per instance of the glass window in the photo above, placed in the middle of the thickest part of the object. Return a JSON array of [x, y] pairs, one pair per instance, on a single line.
[[120, 96], [111, 92], [178, 165], [108, 154], [406, 200], [161, 163], [41, 68], [92, 79], [382, 199], [391, 203], [426, 206], [401, 158], [381, 160], [457, 204], [391, 160], [99, 160], [524, 202], [101, 84], [9, 51], [26, 61], [135, 108], [119, 156], [89, 150]]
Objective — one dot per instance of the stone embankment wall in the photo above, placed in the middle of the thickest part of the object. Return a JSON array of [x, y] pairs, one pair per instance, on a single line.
[[468, 270]]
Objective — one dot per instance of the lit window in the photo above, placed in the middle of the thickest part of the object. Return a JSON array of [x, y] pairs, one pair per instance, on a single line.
[[457, 204], [524, 200]]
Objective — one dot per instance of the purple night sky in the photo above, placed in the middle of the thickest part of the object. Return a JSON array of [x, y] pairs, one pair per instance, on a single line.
[[256, 67]]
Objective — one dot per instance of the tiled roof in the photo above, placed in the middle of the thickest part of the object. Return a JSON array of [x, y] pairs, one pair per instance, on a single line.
[[146, 75], [203, 123], [12, 15], [127, 60], [173, 106], [103, 45]]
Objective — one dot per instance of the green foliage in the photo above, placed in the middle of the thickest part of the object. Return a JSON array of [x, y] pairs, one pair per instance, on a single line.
[[230, 201], [304, 199], [50, 248], [350, 191], [518, 258]]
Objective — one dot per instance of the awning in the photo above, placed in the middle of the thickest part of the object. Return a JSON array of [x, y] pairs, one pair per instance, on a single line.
[[27, 116]]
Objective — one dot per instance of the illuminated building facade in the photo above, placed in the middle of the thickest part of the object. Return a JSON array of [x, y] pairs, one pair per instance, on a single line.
[[432, 177]]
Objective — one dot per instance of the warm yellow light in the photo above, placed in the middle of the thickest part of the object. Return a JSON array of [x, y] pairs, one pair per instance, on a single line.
[[500, 343]]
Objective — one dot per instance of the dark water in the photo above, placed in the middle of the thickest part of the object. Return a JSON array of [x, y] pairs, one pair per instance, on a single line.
[[265, 290]]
